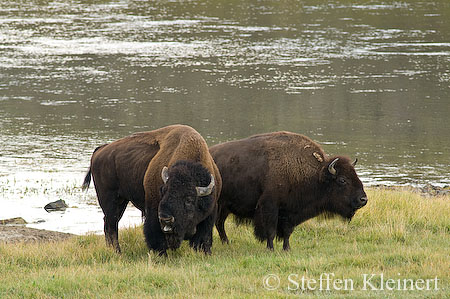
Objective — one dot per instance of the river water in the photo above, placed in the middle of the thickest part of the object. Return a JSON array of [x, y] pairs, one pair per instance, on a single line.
[[368, 79]]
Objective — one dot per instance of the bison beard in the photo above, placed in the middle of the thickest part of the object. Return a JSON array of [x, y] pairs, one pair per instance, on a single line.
[[173, 241], [279, 180]]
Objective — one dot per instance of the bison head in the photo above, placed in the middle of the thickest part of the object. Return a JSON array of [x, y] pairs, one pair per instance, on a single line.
[[344, 190], [186, 200]]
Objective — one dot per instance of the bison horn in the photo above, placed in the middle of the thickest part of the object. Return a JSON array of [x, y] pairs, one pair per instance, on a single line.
[[331, 168], [204, 191], [165, 174], [354, 163]]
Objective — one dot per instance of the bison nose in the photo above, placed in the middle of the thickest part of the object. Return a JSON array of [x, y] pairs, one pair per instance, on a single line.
[[166, 218], [359, 202], [167, 222], [363, 201]]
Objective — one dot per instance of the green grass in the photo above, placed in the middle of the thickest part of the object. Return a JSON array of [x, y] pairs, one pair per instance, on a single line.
[[398, 234]]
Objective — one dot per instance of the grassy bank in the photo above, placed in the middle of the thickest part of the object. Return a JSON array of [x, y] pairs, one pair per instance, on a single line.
[[399, 235]]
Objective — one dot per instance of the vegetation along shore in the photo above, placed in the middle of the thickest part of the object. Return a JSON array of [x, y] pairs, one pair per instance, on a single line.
[[396, 246]]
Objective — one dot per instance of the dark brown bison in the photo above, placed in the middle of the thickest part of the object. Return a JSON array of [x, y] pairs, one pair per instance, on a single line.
[[168, 174], [280, 180]]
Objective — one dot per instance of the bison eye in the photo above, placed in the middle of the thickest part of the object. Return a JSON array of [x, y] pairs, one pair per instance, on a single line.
[[341, 181]]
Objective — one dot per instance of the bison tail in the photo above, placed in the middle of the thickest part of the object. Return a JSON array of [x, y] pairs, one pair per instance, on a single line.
[[87, 180]]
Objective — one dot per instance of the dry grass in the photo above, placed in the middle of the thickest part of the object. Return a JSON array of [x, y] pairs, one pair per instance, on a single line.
[[398, 234]]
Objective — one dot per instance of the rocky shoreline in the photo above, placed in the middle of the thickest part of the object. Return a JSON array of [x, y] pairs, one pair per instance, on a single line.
[[20, 233], [426, 191], [14, 230]]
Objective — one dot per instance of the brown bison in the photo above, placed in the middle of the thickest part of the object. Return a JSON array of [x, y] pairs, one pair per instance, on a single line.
[[280, 180], [168, 174]]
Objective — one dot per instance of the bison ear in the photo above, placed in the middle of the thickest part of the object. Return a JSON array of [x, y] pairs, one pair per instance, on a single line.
[[165, 174]]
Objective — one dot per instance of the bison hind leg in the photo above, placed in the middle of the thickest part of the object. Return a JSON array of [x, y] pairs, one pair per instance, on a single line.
[[113, 208], [220, 225], [112, 236]]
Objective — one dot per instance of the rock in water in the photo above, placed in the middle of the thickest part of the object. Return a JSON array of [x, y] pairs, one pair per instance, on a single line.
[[59, 205]]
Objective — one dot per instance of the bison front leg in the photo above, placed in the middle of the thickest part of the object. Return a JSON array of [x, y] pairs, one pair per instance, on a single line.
[[266, 219], [154, 237], [284, 229], [202, 239]]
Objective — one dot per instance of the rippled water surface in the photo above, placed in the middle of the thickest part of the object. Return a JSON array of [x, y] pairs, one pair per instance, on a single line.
[[368, 79]]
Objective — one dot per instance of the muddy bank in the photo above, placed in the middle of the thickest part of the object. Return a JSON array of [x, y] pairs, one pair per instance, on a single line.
[[19, 233]]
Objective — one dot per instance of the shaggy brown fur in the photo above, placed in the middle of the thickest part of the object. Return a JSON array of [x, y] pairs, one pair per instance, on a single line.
[[281, 179], [129, 169]]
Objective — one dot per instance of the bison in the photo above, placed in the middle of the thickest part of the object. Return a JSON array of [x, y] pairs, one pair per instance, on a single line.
[[169, 175], [281, 179]]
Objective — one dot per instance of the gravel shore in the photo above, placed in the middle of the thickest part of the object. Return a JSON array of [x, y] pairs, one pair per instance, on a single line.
[[19, 233]]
